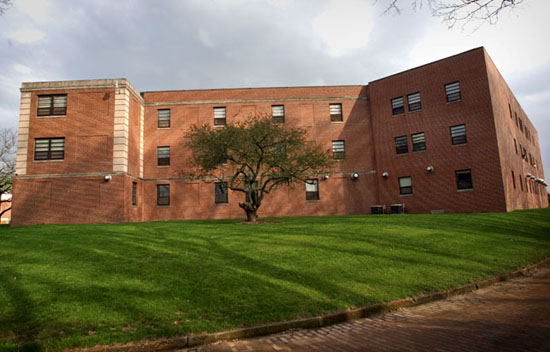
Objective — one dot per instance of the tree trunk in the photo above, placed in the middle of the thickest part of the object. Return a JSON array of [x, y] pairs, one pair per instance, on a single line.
[[250, 210]]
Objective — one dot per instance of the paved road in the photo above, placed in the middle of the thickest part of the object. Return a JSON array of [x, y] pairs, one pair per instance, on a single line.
[[509, 316]]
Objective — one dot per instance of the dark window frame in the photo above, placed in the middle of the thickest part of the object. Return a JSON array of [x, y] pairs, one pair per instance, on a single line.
[[453, 92], [312, 195], [405, 190], [418, 146], [51, 110], [415, 105], [397, 106], [220, 121], [163, 194], [221, 198], [163, 122], [336, 117], [400, 148], [163, 160], [49, 154], [458, 139], [464, 183], [279, 119], [513, 179]]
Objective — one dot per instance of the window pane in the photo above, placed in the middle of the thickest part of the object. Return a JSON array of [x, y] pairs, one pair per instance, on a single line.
[[464, 179], [49, 148], [414, 102], [401, 145], [419, 142], [398, 106], [338, 149], [458, 134], [311, 186], [163, 156], [312, 189], [278, 113], [219, 116], [335, 112], [405, 185], [453, 91], [220, 191], [164, 118], [163, 194]]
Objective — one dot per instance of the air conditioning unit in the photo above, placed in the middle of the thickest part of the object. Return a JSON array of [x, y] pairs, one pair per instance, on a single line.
[[378, 209], [397, 208]]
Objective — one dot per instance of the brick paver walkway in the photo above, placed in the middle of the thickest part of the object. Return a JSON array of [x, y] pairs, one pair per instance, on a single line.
[[509, 316]]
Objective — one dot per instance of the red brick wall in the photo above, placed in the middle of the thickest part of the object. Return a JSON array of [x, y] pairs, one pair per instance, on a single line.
[[438, 190], [506, 108], [87, 128]]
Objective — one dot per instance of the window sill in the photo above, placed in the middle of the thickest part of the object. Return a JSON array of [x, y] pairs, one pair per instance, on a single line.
[[313, 201], [337, 122], [163, 128], [219, 126], [405, 195], [221, 204], [402, 154], [50, 116], [465, 190], [163, 206], [419, 151], [413, 111], [459, 145], [454, 101], [402, 114], [163, 166], [48, 161]]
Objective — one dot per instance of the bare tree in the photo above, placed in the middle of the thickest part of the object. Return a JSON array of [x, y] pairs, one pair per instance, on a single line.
[[5, 5], [459, 11], [8, 143]]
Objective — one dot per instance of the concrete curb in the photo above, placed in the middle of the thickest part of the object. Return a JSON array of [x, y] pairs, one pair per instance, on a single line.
[[308, 323]]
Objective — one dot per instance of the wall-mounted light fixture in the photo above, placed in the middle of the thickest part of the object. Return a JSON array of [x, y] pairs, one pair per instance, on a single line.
[[430, 169], [354, 176], [325, 177], [385, 174], [108, 178]]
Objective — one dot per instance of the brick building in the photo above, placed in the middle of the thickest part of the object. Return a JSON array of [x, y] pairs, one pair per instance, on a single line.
[[448, 136]]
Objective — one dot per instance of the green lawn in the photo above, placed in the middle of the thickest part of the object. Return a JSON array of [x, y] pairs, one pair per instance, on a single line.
[[80, 285]]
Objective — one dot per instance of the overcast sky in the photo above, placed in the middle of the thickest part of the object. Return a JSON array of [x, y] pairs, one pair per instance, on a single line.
[[178, 44]]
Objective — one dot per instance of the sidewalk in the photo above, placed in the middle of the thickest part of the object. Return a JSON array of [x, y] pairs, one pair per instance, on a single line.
[[509, 316]]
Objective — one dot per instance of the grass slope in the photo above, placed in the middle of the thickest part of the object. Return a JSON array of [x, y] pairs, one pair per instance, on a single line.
[[80, 285]]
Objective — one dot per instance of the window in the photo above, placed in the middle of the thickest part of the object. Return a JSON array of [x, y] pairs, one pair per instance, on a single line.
[[278, 113], [453, 92], [513, 179], [521, 183], [164, 118], [401, 145], [338, 150], [464, 179], [510, 109], [414, 101], [312, 189], [52, 105], [163, 156], [134, 193], [405, 185], [397, 105], [220, 192], [163, 194], [336, 113], [458, 134], [219, 116], [49, 148], [516, 145], [520, 125], [419, 142], [516, 114]]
